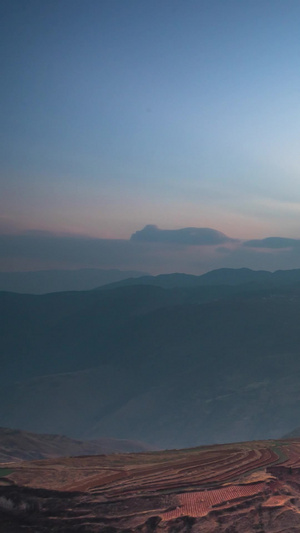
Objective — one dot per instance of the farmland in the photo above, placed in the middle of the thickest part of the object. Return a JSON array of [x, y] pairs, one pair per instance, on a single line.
[[204, 489]]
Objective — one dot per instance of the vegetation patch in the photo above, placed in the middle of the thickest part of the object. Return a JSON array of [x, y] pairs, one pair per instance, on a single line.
[[5, 472]]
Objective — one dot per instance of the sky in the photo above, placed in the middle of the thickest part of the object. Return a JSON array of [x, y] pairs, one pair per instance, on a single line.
[[126, 121]]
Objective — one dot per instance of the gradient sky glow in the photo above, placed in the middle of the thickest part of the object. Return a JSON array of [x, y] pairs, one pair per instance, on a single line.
[[116, 114]]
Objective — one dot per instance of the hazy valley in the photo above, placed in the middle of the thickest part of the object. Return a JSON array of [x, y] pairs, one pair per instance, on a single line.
[[209, 359]]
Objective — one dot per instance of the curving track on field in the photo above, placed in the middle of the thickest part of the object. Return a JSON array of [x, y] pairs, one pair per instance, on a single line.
[[259, 479], [194, 470]]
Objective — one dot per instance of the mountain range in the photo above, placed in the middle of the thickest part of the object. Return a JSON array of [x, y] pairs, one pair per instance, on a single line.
[[180, 362], [44, 281]]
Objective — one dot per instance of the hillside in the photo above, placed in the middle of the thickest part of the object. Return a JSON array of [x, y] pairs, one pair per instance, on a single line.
[[294, 434], [18, 445], [240, 488], [171, 367]]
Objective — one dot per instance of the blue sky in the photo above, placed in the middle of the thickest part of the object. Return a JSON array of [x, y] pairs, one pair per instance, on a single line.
[[117, 114]]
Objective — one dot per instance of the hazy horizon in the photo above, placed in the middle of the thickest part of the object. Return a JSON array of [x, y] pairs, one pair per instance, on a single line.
[[151, 250]]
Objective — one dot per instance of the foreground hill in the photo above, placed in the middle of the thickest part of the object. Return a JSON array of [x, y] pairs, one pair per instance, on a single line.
[[240, 488], [171, 367], [18, 445]]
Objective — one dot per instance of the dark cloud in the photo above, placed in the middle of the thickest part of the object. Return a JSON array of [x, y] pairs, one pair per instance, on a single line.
[[273, 243], [187, 236]]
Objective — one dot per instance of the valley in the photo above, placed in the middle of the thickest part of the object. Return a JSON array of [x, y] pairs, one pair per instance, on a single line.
[[211, 359]]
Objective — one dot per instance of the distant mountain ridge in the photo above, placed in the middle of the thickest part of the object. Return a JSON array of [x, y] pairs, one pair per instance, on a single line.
[[45, 281], [221, 276]]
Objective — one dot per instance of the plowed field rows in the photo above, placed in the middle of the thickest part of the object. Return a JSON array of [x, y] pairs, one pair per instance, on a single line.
[[185, 471], [174, 471], [293, 453], [200, 503], [227, 482]]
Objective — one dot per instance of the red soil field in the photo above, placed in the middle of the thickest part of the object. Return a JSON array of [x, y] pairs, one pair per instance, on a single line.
[[199, 503], [244, 483]]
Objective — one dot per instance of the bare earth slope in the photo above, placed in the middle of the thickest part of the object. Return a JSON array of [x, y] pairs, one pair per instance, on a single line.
[[242, 487]]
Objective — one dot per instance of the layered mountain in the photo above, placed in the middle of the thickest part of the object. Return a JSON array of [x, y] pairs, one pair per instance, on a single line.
[[44, 281], [173, 367], [221, 276]]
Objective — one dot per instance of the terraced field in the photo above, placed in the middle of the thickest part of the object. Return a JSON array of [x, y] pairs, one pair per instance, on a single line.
[[253, 485]]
